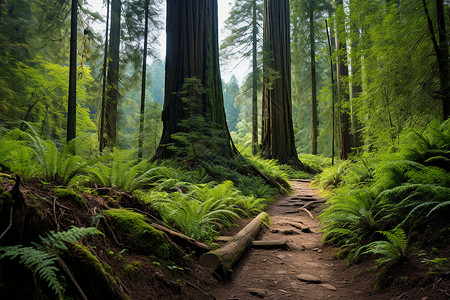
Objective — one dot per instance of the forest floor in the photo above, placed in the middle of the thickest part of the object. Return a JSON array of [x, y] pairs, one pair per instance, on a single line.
[[287, 273]]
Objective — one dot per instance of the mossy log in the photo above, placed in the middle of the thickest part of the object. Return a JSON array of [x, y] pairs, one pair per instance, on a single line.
[[223, 258]]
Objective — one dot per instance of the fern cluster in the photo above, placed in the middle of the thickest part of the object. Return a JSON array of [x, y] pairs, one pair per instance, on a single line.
[[377, 199], [41, 258]]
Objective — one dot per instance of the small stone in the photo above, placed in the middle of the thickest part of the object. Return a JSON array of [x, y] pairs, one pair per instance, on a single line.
[[308, 278], [281, 256], [281, 272], [315, 249], [328, 286], [263, 293], [312, 264], [264, 260], [319, 251], [424, 298]]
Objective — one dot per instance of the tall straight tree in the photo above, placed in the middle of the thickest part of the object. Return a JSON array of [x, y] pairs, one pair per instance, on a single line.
[[441, 51], [192, 55], [277, 128], [113, 74], [72, 102], [242, 42], [345, 138], [105, 61], [144, 79]]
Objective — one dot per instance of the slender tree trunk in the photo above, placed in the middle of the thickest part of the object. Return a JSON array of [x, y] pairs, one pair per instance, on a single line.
[[255, 83], [144, 77], [72, 103], [315, 122], [342, 94], [333, 95], [192, 52], [113, 74], [441, 50], [443, 59], [277, 129], [105, 61]]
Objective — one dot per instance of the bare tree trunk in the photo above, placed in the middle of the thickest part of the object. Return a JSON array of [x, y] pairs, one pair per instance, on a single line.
[[255, 84], [144, 77], [105, 61], [277, 134], [192, 52], [113, 74], [72, 102], [342, 94], [315, 122], [333, 95]]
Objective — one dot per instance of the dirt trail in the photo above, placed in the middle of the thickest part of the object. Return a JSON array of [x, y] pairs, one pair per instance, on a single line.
[[273, 274]]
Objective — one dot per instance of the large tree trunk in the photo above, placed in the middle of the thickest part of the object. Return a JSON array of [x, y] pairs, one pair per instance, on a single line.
[[113, 74], [72, 103], [315, 122], [277, 134], [255, 83], [105, 61], [342, 92], [144, 77], [192, 52]]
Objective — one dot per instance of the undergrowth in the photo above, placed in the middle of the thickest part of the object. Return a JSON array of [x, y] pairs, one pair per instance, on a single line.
[[381, 203]]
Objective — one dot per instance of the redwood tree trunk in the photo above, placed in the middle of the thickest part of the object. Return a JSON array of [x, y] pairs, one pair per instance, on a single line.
[[255, 83], [315, 122], [277, 134], [192, 52], [113, 74], [72, 102]]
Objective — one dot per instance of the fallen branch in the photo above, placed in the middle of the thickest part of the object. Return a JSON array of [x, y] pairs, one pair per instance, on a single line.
[[307, 211], [224, 258], [273, 244]]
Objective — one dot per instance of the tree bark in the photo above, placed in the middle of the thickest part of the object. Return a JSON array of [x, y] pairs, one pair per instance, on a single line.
[[315, 122], [72, 102], [105, 61], [144, 77], [224, 258], [277, 134], [255, 83], [113, 74], [342, 93], [192, 52]]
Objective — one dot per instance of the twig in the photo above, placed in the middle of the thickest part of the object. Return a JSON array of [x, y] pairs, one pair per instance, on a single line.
[[307, 211], [399, 297], [112, 233], [54, 213], [313, 202], [70, 275], [10, 223]]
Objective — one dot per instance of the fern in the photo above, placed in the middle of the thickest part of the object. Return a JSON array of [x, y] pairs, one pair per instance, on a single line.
[[393, 250], [40, 258]]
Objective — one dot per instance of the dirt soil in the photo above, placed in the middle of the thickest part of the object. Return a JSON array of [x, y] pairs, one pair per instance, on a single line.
[[275, 274]]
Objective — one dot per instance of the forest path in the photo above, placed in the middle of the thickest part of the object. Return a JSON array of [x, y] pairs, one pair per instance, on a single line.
[[273, 274]]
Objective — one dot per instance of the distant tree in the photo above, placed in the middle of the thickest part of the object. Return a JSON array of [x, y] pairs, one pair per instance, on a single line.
[[307, 12], [113, 74], [244, 24], [157, 80], [277, 128], [193, 89], [230, 91]]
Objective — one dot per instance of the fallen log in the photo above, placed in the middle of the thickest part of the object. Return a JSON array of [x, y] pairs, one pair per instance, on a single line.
[[222, 259], [183, 240], [271, 244]]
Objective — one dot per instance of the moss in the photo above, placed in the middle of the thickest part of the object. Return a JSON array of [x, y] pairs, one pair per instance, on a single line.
[[133, 228], [92, 274], [132, 268], [69, 195]]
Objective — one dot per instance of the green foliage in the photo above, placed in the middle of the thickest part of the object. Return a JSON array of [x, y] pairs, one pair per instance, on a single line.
[[122, 171], [394, 250], [384, 191], [41, 258]]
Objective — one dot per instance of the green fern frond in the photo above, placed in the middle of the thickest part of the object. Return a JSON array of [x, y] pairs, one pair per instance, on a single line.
[[40, 262], [56, 240]]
